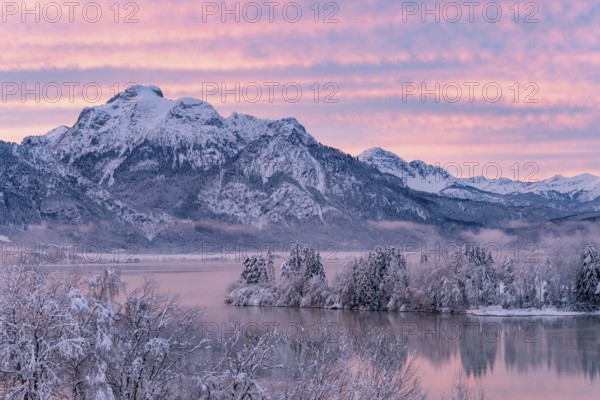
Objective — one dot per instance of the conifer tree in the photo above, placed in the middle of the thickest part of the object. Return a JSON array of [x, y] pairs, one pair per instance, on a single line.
[[588, 279]]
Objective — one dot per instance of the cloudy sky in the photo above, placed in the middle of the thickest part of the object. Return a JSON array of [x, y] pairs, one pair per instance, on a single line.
[[491, 82]]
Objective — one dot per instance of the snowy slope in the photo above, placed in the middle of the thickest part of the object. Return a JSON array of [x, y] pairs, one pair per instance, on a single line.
[[417, 175], [35, 188]]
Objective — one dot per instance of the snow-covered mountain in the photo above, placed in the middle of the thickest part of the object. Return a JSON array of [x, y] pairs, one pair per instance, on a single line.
[[157, 170], [580, 192], [183, 158]]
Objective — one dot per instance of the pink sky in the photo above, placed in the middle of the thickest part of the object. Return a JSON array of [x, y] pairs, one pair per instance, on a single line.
[[370, 58]]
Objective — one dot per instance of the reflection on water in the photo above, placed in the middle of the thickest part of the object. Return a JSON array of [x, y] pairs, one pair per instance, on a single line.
[[516, 358]]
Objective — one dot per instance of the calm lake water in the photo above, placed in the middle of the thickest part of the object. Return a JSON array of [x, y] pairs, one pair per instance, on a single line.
[[512, 358]]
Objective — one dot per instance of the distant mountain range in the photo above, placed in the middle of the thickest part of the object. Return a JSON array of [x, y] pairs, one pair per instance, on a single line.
[[580, 193], [149, 170]]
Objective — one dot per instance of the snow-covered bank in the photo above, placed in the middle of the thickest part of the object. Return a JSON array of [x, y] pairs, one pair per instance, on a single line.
[[498, 311]]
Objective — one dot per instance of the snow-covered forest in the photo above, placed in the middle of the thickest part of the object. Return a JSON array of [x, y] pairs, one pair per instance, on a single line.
[[382, 280], [66, 335]]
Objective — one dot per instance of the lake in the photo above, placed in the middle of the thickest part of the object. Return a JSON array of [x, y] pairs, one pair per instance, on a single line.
[[511, 357]]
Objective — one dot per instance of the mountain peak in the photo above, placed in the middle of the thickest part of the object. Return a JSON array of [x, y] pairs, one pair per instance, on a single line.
[[378, 152], [137, 91], [56, 133], [586, 176]]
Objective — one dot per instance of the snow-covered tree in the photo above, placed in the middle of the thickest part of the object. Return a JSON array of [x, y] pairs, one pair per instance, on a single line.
[[38, 332], [424, 292], [270, 267], [344, 286], [525, 283], [396, 281], [377, 282], [255, 270], [292, 267], [93, 308], [489, 285], [378, 264], [480, 277], [451, 296], [507, 279], [588, 278], [107, 286], [154, 339], [366, 286], [312, 265], [232, 367]]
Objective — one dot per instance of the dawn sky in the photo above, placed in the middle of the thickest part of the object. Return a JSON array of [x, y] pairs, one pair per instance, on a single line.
[[504, 82]]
